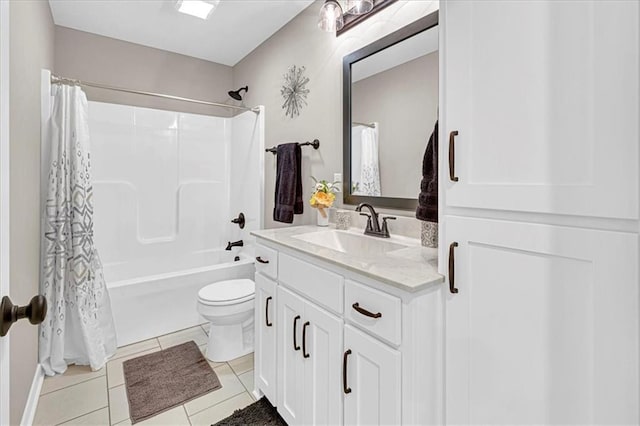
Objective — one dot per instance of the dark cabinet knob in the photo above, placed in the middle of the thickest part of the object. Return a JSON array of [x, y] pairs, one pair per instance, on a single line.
[[35, 311]]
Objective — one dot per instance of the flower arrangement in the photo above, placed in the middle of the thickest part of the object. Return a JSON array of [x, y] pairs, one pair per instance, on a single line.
[[324, 195]]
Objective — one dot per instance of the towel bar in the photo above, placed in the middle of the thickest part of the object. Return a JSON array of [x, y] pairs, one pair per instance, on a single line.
[[315, 144]]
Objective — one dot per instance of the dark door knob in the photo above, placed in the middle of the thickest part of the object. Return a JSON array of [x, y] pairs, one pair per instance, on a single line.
[[36, 311]]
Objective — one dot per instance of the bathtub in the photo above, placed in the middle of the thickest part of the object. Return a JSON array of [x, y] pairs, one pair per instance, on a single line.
[[158, 296]]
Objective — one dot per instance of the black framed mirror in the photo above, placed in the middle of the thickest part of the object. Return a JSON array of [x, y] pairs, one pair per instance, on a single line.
[[390, 107]]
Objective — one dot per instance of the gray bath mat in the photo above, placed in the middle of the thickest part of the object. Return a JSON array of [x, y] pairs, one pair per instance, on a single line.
[[259, 413], [162, 380]]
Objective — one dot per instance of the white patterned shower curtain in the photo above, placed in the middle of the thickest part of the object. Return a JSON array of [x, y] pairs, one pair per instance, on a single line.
[[370, 163], [78, 328]]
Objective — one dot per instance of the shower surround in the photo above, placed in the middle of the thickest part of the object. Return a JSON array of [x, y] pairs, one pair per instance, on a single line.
[[166, 187]]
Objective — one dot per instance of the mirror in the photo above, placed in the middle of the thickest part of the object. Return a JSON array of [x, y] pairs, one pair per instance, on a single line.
[[390, 97]]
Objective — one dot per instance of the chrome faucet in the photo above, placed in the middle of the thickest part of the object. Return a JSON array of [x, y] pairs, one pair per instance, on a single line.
[[373, 225], [238, 243]]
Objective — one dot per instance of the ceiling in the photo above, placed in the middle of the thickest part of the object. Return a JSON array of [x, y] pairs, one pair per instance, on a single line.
[[234, 29]]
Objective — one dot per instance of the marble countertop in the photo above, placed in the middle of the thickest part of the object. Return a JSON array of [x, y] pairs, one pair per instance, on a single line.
[[412, 268]]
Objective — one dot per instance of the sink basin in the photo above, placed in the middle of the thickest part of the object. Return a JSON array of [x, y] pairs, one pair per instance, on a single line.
[[345, 242]]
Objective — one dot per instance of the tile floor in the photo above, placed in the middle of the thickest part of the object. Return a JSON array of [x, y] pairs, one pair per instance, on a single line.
[[84, 397]]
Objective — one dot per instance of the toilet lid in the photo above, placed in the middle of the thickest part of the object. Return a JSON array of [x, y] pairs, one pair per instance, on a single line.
[[228, 291]]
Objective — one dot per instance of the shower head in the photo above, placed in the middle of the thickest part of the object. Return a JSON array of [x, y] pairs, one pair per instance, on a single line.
[[235, 94]]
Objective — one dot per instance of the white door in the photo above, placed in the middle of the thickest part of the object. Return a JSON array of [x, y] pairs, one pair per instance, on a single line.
[[290, 372], [372, 394], [543, 328], [265, 347], [4, 202], [544, 96], [322, 350]]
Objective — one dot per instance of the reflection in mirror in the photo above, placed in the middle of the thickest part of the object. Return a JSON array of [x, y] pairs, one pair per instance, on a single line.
[[365, 159], [393, 110]]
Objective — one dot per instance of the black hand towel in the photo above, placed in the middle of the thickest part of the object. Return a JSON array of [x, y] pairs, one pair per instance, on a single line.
[[428, 198], [288, 199]]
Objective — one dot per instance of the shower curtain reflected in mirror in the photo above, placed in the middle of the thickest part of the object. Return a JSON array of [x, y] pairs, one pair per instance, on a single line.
[[365, 164], [78, 328]]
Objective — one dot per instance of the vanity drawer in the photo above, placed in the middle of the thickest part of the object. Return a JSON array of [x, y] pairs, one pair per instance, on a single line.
[[373, 310], [267, 261], [315, 283]]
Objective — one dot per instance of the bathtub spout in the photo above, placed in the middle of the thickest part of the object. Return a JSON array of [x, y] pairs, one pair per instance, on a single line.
[[238, 243]]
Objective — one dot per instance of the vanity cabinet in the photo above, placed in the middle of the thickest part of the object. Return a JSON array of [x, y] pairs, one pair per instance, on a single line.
[[341, 342]]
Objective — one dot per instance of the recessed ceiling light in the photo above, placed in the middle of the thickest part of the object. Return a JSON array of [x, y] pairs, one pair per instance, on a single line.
[[199, 8]]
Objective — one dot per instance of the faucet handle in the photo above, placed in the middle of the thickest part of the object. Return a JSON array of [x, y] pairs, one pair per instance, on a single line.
[[385, 228], [369, 223]]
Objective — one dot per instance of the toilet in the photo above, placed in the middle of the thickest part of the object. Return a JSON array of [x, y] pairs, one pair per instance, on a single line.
[[228, 306]]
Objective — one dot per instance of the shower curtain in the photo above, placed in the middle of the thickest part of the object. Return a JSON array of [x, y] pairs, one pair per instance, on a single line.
[[78, 328], [370, 168]]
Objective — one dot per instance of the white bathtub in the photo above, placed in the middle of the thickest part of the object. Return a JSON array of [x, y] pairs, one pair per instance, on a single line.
[[147, 305]]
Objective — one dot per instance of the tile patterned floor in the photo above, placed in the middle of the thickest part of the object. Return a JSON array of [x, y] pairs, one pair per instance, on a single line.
[[84, 397]]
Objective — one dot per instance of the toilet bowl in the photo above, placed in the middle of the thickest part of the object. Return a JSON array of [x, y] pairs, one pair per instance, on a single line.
[[228, 306]]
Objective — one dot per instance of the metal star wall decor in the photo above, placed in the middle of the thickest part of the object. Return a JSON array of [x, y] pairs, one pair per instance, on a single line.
[[294, 91]]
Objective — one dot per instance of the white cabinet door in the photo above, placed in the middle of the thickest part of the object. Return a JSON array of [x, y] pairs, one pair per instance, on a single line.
[[265, 352], [373, 373], [543, 328], [290, 372], [322, 352], [545, 97]]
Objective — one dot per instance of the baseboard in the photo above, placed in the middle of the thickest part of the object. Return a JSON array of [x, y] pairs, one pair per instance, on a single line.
[[29, 413]]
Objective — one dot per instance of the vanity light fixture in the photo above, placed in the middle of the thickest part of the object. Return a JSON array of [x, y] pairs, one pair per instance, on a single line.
[[359, 7], [331, 19], [199, 8], [336, 18]]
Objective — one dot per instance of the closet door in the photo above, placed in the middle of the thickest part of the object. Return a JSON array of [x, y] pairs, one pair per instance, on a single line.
[[543, 328], [544, 97], [322, 349], [265, 353], [290, 387]]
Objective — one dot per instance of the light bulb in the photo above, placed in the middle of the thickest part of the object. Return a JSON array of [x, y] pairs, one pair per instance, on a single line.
[[359, 7], [330, 16]]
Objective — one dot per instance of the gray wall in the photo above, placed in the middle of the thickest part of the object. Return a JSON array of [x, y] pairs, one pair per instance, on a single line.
[[31, 48], [404, 101], [300, 42], [106, 60]]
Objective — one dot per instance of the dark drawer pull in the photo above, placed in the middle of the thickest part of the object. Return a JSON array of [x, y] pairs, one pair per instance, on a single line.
[[295, 325], [452, 156], [259, 259], [345, 387], [364, 312], [452, 267], [266, 312], [304, 340]]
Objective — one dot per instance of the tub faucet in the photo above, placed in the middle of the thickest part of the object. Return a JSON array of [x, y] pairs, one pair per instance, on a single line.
[[238, 243]]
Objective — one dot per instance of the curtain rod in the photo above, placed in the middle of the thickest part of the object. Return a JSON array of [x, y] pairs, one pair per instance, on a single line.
[[55, 79], [357, 123]]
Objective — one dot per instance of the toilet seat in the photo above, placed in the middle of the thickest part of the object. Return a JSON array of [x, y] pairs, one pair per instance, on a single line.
[[229, 292]]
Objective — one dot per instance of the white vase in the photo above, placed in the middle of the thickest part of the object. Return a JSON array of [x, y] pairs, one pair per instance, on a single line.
[[323, 217]]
